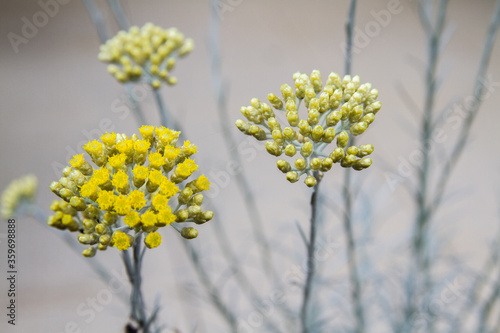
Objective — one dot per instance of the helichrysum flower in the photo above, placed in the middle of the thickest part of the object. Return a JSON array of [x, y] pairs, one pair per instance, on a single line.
[[339, 109], [136, 187], [19, 191], [145, 54]]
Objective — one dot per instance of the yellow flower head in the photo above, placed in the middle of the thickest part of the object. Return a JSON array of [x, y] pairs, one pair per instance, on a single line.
[[121, 240], [100, 176], [148, 219], [185, 169], [147, 132], [137, 200], [122, 205], [129, 190], [77, 161], [156, 160], [109, 139], [168, 188], [105, 199], [118, 161], [171, 153], [152, 240], [120, 181], [337, 110], [132, 219]]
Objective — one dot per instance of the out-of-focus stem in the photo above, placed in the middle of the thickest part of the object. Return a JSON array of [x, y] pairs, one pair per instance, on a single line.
[[421, 222], [102, 31], [97, 18], [119, 14], [133, 269], [478, 93], [243, 185], [347, 197], [164, 113], [310, 257], [213, 292]]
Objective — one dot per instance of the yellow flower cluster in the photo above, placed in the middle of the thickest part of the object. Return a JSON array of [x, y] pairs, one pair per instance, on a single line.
[[138, 185], [340, 108], [17, 192], [148, 54]]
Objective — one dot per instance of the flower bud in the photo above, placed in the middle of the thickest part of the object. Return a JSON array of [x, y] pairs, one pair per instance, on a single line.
[[278, 137], [300, 164], [362, 163], [185, 195], [289, 133], [78, 203], [189, 233], [348, 161], [273, 148], [328, 135], [89, 252], [342, 139], [315, 163], [352, 150], [293, 118], [326, 164], [273, 124], [290, 150], [317, 133], [275, 101], [365, 150], [359, 128], [283, 166], [182, 215], [243, 126], [194, 211], [333, 118], [292, 176], [310, 181], [307, 149], [337, 155], [304, 128]]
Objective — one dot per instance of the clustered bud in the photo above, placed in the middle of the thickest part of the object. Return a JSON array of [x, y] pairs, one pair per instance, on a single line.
[[336, 111], [138, 186], [148, 54], [20, 191]]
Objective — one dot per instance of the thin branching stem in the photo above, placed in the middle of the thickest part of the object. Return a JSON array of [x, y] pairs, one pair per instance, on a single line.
[[308, 286]]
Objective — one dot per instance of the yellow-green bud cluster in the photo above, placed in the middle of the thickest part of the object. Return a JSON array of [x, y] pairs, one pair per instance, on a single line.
[[19, 191], [137, 187], [336, 110], [148, 54]]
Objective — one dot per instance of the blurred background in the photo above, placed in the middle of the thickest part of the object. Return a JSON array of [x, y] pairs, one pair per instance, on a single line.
[[55, 95]]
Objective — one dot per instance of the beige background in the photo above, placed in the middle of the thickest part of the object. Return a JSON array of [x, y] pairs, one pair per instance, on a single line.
[[54, 90]]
